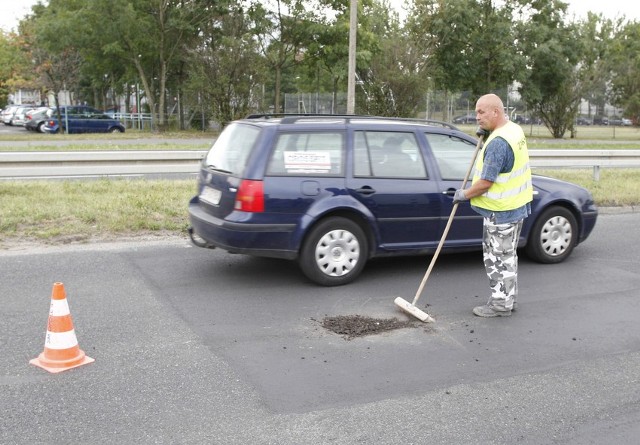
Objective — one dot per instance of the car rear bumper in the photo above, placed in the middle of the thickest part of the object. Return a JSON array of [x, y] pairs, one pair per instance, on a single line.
[[268, 240]]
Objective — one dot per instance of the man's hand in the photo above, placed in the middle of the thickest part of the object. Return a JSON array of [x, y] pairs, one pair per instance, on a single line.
[[459, 196]]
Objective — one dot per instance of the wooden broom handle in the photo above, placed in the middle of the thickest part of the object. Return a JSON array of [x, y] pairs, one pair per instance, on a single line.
[[446, 229]]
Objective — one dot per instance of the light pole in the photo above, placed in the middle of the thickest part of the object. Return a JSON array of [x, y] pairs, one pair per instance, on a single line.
[[351, 84]]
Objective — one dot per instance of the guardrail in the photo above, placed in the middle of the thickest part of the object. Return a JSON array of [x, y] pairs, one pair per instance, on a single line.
[[49, 164], [120, 163], [595, 159]]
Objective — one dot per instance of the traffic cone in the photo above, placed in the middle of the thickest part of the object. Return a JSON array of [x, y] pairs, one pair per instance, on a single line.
[[61, 350]]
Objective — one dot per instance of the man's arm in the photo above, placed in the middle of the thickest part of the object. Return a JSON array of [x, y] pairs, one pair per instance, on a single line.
[[480, 187]]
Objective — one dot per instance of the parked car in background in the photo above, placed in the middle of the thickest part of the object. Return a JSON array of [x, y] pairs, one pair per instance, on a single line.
[[620, 121], [583, 120], [466, 119], [332, 192], [522, 119], [600, 120], [19, 116], [8, 113], [112, 111], [36, 118], [82, 119]]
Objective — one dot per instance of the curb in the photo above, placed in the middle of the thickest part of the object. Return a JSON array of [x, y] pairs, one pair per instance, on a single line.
[[618, 210]]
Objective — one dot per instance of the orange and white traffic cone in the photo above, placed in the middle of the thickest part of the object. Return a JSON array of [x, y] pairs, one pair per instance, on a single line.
[[61, 350]]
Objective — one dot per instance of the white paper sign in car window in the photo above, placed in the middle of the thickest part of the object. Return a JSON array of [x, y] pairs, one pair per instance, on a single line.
[[307, 161]]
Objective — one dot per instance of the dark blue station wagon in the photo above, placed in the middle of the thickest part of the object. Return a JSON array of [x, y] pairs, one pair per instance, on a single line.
[[332, 192], [81, 119]]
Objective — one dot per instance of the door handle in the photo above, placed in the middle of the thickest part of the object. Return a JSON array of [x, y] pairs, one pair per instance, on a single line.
[[366, 190]]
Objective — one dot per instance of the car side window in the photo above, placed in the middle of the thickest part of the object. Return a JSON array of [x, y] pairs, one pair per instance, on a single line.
[[453, 155], [307, 153], [92, 113], [387, 154]]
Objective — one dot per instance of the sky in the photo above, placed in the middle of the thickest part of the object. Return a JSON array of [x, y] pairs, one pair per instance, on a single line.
[[11, 11], [611, 9]]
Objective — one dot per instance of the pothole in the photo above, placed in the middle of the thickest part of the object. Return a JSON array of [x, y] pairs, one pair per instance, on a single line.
[[352, 326]]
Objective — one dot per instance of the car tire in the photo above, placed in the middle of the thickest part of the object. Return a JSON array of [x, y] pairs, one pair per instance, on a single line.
[[334, 252], [40, 127], [116, 130], [553, 236]]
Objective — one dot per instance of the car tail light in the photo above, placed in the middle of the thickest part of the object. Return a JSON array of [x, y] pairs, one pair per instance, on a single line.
[[250, 196]]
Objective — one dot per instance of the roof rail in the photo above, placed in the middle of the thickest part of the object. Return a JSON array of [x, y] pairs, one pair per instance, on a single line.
[[292, 117], [423, 121], [289, 118]]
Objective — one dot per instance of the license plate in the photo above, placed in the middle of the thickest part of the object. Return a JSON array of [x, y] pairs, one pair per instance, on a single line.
[[211, 196]]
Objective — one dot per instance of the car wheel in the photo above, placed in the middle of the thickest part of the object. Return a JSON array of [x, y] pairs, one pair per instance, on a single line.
[[553, 236], [115, 130], [334, 252], [40, 128]]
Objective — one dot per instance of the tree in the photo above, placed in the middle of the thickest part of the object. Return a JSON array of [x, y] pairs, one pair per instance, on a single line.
[[53, 49], [225, 69], [625, 70], [147, 35], [596, 35], [551, 85], [280, 28], [15, 66], [470, 44], [224, 60], [393, 80]]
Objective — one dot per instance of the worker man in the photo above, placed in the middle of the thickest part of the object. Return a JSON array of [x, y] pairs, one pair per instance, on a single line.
[[501, 192]]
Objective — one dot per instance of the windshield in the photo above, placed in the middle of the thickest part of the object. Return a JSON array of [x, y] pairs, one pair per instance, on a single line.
[[230, 151]]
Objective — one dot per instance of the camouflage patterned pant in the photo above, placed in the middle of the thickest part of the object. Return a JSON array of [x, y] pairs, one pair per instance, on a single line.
[[501, 261]]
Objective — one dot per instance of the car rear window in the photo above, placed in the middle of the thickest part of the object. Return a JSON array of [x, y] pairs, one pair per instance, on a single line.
[[232, 148], [307, 153]]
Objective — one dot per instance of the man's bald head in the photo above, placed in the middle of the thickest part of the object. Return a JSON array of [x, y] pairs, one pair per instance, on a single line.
[[490, 112]]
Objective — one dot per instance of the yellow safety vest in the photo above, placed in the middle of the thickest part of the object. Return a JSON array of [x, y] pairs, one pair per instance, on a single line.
[[513, 189]]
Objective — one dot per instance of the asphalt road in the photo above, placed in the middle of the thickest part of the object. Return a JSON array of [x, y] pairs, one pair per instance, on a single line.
[[196, 346]]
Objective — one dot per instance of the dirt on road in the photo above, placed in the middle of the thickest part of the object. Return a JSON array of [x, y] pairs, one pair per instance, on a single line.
[[352, 326]]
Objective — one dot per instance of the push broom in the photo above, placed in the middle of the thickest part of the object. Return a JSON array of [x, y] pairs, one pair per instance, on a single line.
[[411, 308]]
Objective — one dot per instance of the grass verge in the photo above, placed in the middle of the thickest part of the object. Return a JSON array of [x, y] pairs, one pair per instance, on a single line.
[[616, 187], [71, 211]]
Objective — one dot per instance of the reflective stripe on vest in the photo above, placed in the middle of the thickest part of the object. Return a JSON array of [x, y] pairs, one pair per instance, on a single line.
[[509, 193]]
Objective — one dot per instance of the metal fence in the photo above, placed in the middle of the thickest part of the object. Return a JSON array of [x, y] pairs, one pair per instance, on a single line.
[[138, 121], [315, 103]]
